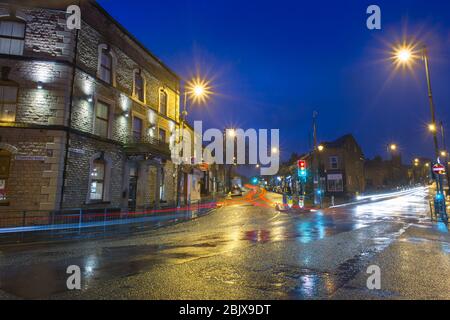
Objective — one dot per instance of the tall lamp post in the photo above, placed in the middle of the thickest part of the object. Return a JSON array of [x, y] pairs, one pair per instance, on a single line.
[[195, 91], [406, 55]]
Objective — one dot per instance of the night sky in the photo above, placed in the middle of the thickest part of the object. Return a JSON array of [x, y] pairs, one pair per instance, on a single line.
[[272, 63]]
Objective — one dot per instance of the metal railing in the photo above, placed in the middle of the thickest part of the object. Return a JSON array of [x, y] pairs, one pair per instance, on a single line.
[[82, 217], [136, 141]]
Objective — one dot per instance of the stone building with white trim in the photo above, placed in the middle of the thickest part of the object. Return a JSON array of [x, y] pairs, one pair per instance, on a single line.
[[87, 117]]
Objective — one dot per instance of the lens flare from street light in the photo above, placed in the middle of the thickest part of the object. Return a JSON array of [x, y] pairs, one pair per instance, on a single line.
[[432, 127], [405, 55], [231, 133], [199, 90]]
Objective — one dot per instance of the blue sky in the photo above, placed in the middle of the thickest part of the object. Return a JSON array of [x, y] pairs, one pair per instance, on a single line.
[[274, 62]]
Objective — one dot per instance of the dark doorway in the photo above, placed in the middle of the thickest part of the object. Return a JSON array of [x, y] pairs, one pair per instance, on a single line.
[[132, 189]]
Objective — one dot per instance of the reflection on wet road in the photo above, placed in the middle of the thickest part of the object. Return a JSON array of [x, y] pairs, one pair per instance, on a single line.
[[246, 249]]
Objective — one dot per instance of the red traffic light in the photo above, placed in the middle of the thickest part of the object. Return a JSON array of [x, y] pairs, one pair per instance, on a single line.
[[301, 164]]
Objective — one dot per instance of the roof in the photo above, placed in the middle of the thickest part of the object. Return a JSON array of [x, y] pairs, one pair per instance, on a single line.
[[340, 142]]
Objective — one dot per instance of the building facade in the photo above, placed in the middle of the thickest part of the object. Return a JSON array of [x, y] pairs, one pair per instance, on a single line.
[[88, 116], [341, 167], [390, 174]]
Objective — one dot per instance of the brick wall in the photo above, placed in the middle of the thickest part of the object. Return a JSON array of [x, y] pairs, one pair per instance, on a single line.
[[81, 151], [33, 184], [40, 106], [46, 35]]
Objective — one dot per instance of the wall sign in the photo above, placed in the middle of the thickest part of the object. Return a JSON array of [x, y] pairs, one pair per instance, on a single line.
[[31, 158]]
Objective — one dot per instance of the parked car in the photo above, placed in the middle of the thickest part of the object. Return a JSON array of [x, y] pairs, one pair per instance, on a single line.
[[236, 190]]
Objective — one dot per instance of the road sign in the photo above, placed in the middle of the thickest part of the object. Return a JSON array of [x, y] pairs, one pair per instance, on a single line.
[[438, 168]]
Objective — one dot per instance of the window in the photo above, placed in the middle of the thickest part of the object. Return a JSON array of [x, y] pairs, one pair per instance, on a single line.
[[8, 103], [106, 66], [162, 135], [101, 125], [5, 160], [137, 128], [335, 183], [12, 37], [139, 86], [163, 102], [97, 180], [334, 164]]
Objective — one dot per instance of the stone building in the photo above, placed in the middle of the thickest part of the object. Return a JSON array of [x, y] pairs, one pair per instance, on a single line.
[[87, 117], [341, 166], [390, 174]]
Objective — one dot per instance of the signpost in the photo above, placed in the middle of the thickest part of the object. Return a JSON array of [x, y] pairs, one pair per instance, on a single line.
[[439, 201]]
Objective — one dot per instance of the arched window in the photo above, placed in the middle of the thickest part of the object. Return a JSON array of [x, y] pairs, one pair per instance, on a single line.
[[105, 65], [5, 160], [97, 187], [99, 178], [163, 102], [12, 36], [139, 86]]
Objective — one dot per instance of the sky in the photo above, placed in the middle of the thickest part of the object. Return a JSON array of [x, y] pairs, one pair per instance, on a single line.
[[273, 63]]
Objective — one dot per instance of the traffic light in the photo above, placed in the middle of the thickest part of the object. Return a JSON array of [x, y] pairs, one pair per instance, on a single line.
[[301, 164]]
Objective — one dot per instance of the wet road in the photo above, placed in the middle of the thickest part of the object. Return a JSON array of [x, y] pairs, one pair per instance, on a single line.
[[248, 250]]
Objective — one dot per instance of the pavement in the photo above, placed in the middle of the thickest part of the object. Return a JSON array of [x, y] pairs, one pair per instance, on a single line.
[[247, 250]]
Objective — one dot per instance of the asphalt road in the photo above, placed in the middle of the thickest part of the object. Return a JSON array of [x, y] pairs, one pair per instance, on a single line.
[[248, 250]]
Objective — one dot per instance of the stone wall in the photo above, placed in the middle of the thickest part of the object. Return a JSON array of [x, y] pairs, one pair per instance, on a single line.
[[81, 151], [34, 181]]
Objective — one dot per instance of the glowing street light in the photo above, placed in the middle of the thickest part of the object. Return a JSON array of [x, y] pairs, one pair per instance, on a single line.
[[393, 147], [443, 153], [231, 133], [405, 55], [320, 148], [196, 90], [275, 150], [432, 127]]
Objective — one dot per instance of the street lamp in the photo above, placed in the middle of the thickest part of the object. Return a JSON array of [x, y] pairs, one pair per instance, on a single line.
[[406, 55], [196, 90], [320, 148], [432, 127], [231, 133], [393, 147], [274, 150]]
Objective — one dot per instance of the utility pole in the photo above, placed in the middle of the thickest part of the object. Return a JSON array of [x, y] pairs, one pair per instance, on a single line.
[[316, 179], [444, 146], [430, 98]]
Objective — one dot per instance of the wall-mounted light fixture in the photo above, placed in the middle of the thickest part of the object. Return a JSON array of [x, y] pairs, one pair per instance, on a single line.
[[90, 98], [40, 85], [126, 114]]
